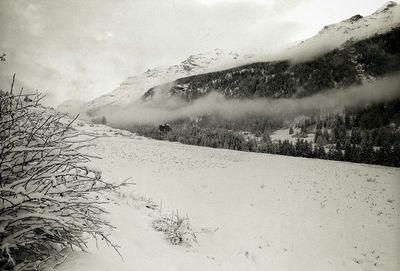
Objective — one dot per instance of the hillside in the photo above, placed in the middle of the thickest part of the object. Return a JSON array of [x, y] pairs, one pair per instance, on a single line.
[[354, 28], [349, 65], [275, 213]]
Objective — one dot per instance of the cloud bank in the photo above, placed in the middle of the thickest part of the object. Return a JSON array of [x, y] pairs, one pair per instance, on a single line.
[[161, 111]]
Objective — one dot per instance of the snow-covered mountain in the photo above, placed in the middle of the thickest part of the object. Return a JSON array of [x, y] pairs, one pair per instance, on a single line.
[[355, 28], [332, 36], [358, 26], [135, 86]]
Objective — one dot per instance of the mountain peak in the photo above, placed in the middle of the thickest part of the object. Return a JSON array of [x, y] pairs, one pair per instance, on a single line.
[[388, 5], [358, 26], [209, 60]]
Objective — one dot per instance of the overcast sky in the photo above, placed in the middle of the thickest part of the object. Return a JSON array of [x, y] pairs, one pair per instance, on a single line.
[[73, 49]]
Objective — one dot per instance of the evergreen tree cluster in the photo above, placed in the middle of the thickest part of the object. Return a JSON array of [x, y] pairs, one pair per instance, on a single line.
[[368, 134]]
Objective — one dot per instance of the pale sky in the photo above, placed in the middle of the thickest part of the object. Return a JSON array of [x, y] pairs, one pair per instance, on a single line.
[[74, 49]]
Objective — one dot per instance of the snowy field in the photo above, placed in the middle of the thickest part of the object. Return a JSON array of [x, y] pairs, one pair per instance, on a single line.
[[283, 134], [249, 211]]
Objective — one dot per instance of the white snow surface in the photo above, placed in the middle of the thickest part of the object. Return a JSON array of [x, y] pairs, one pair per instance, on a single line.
[[381, 21], [335, 35], [283, 134], [249, 211]]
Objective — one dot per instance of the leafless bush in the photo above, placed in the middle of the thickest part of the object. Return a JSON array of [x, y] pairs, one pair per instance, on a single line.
[[50, 199], [176, 229]]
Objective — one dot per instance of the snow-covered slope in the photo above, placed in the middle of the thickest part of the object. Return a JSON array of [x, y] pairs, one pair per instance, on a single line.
[[355, 28], [135, 86], [72, 107], [250, 211], [358, 27]]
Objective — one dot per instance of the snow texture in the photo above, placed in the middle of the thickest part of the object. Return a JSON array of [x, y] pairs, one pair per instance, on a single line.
[[249, 211]]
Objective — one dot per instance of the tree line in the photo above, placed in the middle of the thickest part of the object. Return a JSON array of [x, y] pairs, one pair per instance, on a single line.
[[362, 135]]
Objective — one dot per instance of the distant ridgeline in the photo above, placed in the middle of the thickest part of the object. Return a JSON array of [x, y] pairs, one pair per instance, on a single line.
[[368, 134]]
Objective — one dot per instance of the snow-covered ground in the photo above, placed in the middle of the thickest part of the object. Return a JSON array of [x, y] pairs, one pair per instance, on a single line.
[[249, 211], [283, 134]]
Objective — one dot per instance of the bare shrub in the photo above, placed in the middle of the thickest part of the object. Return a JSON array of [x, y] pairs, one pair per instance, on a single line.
[[176, 229], [50, 199]]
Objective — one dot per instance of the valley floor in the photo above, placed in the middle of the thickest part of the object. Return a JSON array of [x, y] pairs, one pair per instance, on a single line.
[[249, 211]]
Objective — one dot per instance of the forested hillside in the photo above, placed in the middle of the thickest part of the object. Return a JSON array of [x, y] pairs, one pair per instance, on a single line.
[[340, 68]]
